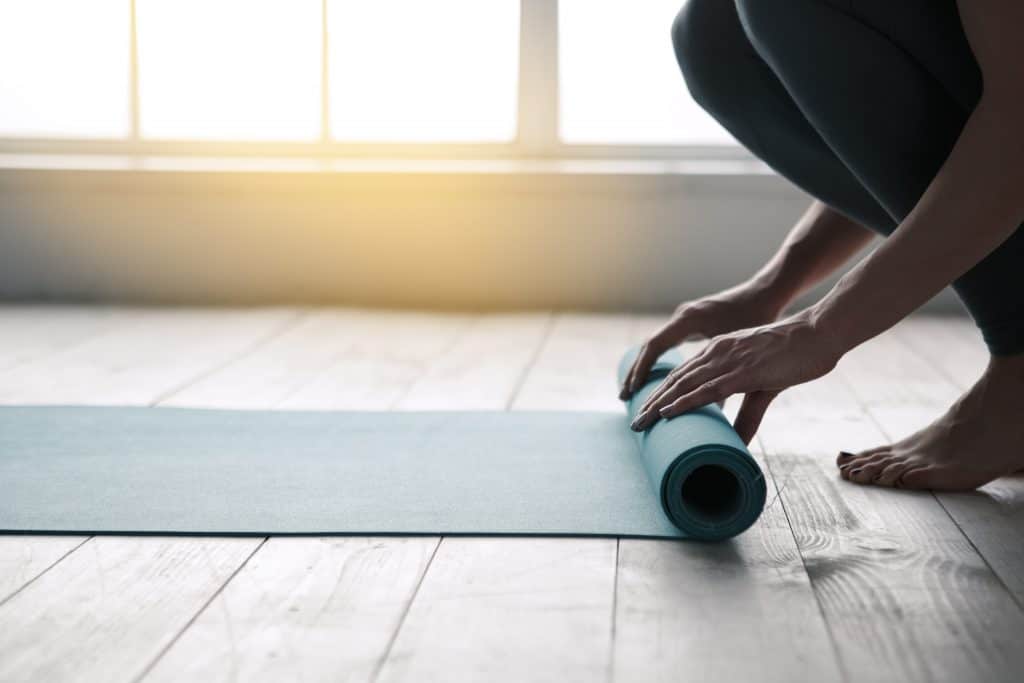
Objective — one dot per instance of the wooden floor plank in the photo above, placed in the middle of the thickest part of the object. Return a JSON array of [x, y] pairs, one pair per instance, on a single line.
[[509, 609], [992, 517], [381, 365], [309, 609], [107, 609], [739, 610], [327, 609], [138, 363], [134, 584], [951, 345], [484, 368], [31, 332], [576, 367], [24, 558], [904, 593], [270, 374], [520, 609]]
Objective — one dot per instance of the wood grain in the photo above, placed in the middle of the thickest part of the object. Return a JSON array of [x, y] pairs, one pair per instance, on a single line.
[[24, 558], [107, 609], [327, 609], [835, 581], [904, 593], [739, 610], [509, 609], [992, 517], [381, 363], [309, 609], [31, 332], [522, 609], [151, 356]]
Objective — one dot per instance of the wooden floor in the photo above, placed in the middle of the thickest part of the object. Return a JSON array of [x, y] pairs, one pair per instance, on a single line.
[[836, 581]]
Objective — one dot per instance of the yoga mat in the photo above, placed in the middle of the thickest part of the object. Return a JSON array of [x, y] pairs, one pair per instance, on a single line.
[[169, 470]]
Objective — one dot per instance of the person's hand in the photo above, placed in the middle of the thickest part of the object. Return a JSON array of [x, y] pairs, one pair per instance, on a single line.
[[734, 309], [759, 362]]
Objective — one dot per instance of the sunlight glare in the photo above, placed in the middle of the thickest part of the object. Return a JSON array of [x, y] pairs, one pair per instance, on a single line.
[[619, 81], [418, 71], [229, 69], [64, 68]]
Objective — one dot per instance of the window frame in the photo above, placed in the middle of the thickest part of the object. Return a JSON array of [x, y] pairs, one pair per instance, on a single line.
[[537, 130]]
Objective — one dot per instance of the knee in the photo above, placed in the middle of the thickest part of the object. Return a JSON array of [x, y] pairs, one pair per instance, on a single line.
[[704, 37]]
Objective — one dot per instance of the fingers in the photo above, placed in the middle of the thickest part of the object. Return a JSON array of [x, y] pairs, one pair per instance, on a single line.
[[674, 332], [697, 388], [641, 367], [752, 412], [677, 380], [712, 391]]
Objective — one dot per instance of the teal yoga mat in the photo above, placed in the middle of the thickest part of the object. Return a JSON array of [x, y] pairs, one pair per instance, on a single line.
[[182, 471]]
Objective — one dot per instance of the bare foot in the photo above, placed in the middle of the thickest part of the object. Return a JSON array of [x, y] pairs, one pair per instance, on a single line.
[[979, 439]]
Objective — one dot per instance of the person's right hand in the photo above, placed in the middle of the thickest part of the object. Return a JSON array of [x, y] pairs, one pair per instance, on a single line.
[[734, 309]]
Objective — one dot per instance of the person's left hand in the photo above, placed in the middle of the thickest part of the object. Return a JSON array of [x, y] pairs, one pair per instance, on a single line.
[[759, 362]]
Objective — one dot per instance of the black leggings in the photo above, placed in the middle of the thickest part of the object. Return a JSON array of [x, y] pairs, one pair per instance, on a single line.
[[858, 102]]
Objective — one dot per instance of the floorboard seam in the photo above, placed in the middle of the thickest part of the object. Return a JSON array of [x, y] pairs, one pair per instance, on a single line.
[[532, 363], [71, 346], [461, 334], [405, 613], [177, 636], [615, 611], [840, 664], [938, 501], [9, 597], [938, 497], [261, 341]]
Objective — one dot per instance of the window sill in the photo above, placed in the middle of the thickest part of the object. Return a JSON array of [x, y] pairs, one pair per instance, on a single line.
[[617, 167]]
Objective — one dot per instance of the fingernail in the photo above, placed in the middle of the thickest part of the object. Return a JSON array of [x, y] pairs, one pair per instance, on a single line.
[[665, 411], [845, 454]]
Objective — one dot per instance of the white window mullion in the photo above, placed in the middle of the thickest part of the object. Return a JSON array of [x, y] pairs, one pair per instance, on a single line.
[[538, 77], [133, 82], [325, 93]]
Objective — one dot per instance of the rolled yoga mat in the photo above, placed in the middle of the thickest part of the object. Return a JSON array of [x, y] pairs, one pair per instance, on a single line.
[[183, 471]]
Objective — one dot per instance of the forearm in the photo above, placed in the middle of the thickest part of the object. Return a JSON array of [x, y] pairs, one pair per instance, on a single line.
[[974, 203], [821, 242]]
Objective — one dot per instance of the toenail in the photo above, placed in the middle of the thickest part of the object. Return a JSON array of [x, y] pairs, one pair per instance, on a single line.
[[856, 471], [845, 454]]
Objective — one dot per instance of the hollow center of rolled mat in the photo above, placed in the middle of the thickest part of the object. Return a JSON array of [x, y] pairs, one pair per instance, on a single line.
[[712, 494]]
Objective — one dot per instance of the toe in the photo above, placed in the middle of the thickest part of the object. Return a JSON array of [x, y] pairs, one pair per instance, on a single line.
[[859, 463], [893, 470], [865, 474], [846, 457]]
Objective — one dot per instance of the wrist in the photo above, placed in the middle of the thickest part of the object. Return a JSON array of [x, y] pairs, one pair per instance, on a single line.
[[771, 292], [827, 329]]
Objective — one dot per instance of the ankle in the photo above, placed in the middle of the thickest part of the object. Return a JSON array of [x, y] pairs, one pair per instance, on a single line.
[[1009, 369]]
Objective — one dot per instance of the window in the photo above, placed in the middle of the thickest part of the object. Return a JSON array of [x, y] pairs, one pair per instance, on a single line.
[[423, 70], [619, 82], [229, 69], [64, 68], [347, 77]]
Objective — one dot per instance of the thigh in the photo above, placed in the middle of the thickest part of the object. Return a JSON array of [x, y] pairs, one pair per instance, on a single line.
[[931, 34]]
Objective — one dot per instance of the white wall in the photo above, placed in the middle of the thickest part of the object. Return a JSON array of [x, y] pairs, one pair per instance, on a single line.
[[608, 240]]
